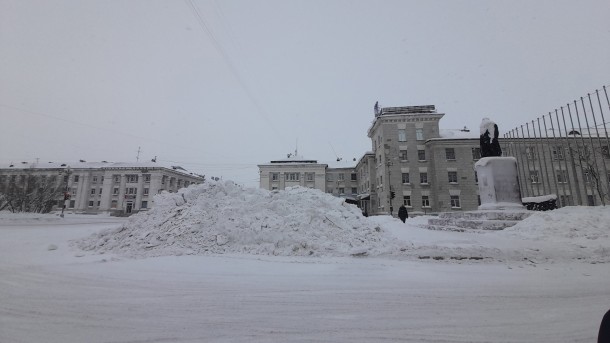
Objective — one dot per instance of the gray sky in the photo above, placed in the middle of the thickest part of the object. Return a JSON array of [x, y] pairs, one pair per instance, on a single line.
[[242, 83]]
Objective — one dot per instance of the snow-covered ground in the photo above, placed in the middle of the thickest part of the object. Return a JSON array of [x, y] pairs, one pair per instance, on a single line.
[[223, 264]]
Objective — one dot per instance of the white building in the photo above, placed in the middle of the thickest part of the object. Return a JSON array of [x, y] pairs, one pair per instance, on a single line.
[[120, 188]]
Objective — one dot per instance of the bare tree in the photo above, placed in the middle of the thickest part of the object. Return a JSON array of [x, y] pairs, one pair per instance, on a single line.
[[591, 160], [30, 193]]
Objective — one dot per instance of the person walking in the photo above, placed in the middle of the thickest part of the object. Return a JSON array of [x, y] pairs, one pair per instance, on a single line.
[[402, 213]]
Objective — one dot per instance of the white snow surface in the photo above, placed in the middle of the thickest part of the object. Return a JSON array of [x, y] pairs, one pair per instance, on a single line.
[[222, 217]]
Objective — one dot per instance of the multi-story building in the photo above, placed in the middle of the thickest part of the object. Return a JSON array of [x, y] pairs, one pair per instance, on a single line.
[[293, 171], [419, 165], [102, 186], [429, 170]]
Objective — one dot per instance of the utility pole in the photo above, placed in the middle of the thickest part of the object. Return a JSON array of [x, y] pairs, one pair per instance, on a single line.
[[138, 157]]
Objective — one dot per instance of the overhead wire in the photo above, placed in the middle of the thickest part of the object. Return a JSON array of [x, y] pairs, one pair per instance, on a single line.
[[226, 58]]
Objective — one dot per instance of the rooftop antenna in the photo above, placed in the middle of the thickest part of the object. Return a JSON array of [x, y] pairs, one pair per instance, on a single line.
[[138, 157]]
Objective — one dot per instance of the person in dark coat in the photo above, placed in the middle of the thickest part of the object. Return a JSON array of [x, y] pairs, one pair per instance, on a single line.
[[402, 213]]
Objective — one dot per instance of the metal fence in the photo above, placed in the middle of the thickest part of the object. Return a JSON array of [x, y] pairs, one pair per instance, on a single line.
[[565, 152]]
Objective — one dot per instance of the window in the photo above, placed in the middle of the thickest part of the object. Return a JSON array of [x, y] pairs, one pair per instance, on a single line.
[[402, 135], [406, 200], [566, 200], [530, 152], [453, 177], [76, 178], [94, 179], [606, 151], [341, 190], [274, 188], [590, 200], [113, 204], [145, 191], [131, 190], [163, 179], [146, 177], [292, 176], [403, 155], [115, 191], [405, 178], [117, 178], [420, 134], [102, 179], [479, 199], [90, 203], [144, 204], [131, 178], [309, 176], [275, 176], [98, 203], [534, 176], [423, 178], [476, 153], [354, 190], [72, 203], [341, 177], [562, 176], [92, 191], [329, 177], [354, 177], [557, 152], [100, 192], [421, 155], [588, 177], [425, 201], [455, 201], [450, 154]]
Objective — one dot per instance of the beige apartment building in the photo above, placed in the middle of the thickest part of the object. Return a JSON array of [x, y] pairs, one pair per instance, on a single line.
[[119, 188]]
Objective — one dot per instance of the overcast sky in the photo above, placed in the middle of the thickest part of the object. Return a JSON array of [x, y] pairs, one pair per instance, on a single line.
[[220, 86]]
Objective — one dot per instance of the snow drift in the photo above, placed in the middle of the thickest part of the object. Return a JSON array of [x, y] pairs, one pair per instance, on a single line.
[[222, 217]]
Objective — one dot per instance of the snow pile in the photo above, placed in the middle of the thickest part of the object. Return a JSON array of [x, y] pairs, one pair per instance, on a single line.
[[221, 217], [574, 232]]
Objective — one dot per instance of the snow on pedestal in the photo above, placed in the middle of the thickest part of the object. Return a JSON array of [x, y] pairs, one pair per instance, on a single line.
[[498, 183]]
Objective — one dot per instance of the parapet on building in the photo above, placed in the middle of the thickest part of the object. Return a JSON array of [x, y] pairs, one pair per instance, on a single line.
[[101, 186]]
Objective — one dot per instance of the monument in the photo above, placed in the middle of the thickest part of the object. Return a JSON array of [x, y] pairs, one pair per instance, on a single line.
[[498, 181], [498, 176]]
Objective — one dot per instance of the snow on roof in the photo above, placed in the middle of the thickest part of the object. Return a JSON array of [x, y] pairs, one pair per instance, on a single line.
[[457, 134], [95, 165]]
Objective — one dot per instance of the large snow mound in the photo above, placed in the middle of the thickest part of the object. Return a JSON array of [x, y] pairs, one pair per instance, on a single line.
[[222, 217]]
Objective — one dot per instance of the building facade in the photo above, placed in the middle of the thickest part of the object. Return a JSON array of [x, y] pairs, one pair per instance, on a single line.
[[418, 165], [93, 187]]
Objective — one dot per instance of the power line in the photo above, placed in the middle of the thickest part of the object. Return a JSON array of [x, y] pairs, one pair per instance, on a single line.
[[206, 29]]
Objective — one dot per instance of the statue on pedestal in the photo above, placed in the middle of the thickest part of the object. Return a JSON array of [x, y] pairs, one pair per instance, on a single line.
[[489, 146]]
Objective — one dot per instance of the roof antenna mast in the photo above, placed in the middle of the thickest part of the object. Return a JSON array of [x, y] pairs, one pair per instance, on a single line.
[[138, 157]]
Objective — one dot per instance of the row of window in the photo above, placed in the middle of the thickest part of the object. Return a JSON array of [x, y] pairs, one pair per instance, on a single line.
[[423, 177], [341, 190], [310, 177], [425, 201], [562, 176], [558, 152], [402, 135]]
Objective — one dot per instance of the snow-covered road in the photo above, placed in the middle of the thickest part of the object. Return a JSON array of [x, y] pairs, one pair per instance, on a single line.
[[62, 296]]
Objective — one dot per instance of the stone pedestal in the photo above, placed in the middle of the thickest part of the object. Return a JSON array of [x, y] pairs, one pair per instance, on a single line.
[[499, 183]]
